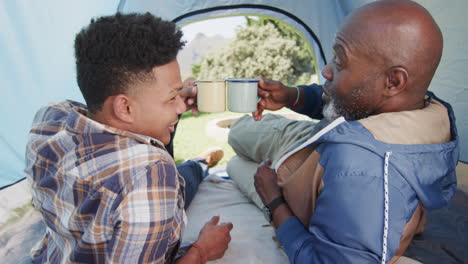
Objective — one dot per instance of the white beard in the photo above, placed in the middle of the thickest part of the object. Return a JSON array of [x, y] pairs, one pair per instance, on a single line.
[[329, 111]]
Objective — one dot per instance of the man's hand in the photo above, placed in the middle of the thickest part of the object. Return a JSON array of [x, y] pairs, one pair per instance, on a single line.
[[274, 96], [266, 183], [189, 94], [268, 189], [214, 238]]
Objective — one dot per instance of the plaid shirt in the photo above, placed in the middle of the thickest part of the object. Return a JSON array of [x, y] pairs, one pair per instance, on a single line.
[[105, 195]]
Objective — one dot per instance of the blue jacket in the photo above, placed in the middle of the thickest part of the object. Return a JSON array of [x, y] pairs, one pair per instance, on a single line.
[[348, 223]]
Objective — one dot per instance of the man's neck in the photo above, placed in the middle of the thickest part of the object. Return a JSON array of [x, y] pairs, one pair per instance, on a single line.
[[98, 117], [103, 118], [403, 105]]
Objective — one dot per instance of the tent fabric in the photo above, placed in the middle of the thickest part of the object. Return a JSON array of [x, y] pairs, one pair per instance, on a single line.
[[37, 64], [37, 67]]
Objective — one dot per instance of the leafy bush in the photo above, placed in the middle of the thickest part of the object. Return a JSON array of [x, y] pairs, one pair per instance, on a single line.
[[264, 48]]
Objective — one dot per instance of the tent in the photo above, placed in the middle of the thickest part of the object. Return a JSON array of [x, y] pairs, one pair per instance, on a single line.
[[37, 65]]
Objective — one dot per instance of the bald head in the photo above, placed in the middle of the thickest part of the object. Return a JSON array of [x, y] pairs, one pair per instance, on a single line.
[[385, 56], [398, 33]]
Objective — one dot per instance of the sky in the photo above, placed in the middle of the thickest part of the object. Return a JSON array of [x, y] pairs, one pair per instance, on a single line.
[[224, 26]]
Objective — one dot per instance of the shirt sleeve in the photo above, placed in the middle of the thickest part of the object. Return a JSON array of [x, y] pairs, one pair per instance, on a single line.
[[147, 221], [313, 103]]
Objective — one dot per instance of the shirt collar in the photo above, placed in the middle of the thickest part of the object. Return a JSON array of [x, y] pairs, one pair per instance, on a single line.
[[79, 123]]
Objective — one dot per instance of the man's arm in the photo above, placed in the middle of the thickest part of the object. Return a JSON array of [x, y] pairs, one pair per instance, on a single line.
[[310, 101], [346, 227], [265, 182], [212, 243], [275, 95], [347, 224]]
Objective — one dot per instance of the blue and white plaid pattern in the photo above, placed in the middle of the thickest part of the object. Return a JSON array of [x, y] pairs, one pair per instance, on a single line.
[[105, 195]]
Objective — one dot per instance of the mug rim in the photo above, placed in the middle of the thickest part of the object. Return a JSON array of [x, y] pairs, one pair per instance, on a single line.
[[243, 80], [209, 80]]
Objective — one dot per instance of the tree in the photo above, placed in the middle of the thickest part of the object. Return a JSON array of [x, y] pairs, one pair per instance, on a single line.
[[258, 50], [304, 61]]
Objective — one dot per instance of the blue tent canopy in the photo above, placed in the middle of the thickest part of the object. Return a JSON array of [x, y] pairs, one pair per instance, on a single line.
[[37, 64]]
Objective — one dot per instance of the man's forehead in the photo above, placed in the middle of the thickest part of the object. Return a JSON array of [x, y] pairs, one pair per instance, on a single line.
[[169, 79], [349, 42], [173, 88]]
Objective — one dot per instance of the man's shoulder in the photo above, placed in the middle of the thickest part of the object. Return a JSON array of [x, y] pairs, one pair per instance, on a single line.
[[345, 139], [56, 110], [104, 160], [123, 148], [122, 152], [350, 150]]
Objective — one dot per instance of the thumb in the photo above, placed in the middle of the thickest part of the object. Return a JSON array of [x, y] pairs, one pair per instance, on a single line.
[[214, 220], [194, 90], [187, 92], [189, 82], [261, 82], [257, 115], [266, 163], [228, 225]]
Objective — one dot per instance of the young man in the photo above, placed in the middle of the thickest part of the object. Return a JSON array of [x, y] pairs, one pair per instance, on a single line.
[[105, 185], [352, 189]]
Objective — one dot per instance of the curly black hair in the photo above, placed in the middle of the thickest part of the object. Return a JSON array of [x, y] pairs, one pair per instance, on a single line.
[[115, 51]]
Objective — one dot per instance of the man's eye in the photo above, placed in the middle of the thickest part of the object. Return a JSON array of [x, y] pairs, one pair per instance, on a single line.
[[336, 61]]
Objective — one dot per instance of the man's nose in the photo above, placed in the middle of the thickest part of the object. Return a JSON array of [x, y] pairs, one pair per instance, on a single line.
[[327, 72]]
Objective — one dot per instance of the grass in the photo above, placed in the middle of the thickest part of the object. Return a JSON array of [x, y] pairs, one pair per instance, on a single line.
[[191, 138]]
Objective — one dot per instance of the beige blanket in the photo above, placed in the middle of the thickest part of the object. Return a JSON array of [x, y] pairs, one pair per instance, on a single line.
[[253, 239]]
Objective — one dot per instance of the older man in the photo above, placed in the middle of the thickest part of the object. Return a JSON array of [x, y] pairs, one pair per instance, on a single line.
[[106, 187], [352, 189]]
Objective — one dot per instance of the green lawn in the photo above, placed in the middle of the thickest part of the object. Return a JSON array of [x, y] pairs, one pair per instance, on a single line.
[[191, 138]]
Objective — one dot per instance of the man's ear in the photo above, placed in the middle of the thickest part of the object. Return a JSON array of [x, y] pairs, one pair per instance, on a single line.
[[121, 106], [396, 80]]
